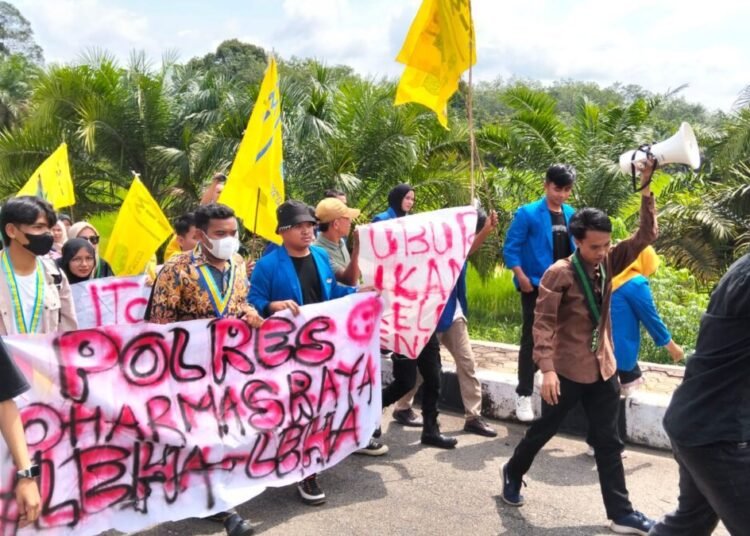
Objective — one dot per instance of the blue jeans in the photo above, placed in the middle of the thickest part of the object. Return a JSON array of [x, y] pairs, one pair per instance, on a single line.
[[714, 484]]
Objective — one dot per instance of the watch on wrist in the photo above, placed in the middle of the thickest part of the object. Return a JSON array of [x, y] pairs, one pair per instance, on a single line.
[[31, 472]]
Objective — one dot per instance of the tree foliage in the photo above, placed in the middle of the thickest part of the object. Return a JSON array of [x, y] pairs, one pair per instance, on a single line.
[[16, 35], [177, 124]]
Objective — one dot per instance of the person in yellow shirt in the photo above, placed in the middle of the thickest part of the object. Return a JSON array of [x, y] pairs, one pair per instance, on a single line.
[[184, 236]]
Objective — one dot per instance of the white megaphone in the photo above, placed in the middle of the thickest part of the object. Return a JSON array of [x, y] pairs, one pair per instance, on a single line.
[[682, 148]]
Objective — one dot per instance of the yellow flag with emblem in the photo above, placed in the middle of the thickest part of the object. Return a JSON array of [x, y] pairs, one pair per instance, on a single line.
[[438, 49], [255, 185], [141, 227], [52, 180]]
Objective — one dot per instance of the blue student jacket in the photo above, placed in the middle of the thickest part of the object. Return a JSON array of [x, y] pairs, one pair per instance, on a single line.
[[528, 243], [458, 295], [387, 215], [633, 304], [274, 278]]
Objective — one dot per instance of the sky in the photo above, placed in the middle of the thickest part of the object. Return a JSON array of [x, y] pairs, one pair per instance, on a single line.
[[659, 45]]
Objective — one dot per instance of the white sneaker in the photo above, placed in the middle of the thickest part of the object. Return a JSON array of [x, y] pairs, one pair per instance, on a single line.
[[524, 411]]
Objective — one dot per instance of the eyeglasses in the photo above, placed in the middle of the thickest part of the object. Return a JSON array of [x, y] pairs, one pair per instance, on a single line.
[[82, 260], [94, 239]]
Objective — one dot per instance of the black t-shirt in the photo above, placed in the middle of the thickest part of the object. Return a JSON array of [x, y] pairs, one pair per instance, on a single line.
[[560, 239], [711, 405], [12, 382], [309, 280]]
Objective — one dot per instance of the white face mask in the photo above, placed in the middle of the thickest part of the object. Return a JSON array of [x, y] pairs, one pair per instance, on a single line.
[[224, 248]]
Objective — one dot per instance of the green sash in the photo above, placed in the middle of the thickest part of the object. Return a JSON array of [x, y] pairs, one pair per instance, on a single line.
[[588, 291]]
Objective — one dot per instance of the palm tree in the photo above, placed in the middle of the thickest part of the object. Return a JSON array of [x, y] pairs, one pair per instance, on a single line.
[[109, 116]]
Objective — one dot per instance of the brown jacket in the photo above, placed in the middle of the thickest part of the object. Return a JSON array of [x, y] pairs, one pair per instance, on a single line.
[[562, 325], [59, 311]]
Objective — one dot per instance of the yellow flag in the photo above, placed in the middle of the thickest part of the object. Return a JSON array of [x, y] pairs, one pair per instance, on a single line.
[[139, 230], [52, 180], [255, 186], [439, 47]]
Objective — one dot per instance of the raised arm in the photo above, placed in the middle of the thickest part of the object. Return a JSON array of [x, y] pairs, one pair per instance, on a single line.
[[625, 252]]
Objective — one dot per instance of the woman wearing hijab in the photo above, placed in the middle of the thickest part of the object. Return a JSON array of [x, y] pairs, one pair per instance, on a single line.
[[59, 236], [633, 305], [78, 260], [400, 203], [86, 231]]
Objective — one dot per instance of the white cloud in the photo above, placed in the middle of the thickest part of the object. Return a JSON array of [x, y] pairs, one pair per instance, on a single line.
[[66, 28]]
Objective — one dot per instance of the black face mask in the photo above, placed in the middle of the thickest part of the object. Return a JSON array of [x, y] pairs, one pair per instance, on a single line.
[[39, 244]]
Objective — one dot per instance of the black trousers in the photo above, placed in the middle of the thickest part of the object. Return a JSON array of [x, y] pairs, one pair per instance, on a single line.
[[526, 366], [714, 484], [601, 402], [405, 376]]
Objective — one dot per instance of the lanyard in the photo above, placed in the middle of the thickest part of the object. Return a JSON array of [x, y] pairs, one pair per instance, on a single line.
[[219, 300], [588, 291], [22, 325]]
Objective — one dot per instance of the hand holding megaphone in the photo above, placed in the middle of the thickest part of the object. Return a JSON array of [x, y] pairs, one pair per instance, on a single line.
[[647, 168], [682, 148]]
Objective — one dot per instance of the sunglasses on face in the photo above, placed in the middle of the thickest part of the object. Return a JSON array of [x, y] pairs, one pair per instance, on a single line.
[[93, 239]]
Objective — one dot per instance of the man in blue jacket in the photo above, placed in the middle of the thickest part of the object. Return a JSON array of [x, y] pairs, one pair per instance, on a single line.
[[295, 274], [538, 236]]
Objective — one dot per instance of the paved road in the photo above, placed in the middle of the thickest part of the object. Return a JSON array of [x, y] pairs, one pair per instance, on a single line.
[[414, 491]]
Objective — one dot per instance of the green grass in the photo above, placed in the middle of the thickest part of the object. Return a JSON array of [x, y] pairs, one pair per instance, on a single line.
[[494, 307]]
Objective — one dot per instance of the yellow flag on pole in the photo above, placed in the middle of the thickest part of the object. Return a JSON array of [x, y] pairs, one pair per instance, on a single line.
[[439, 47], [141, 227], [52, 180], [255, 185]]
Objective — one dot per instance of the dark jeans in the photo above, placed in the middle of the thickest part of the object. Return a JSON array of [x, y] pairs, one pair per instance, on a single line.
[[601, 402], [405, 376], [714, 484], [526, 366]]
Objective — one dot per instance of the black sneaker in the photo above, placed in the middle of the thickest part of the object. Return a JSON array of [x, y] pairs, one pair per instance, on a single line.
[[377, 433], [479, 427], [236, 526], [373, 448], [407, 417], [310, 492], [512, 488], [633, 523]]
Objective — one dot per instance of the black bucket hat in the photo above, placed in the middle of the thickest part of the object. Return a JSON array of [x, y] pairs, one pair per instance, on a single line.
[[291, 212]]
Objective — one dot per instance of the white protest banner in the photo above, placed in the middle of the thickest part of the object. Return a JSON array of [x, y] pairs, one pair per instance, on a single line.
[[415, 261], [141, 424], [110, 301]]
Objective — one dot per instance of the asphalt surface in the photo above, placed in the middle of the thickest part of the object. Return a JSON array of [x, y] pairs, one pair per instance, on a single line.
[[415, 490]]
